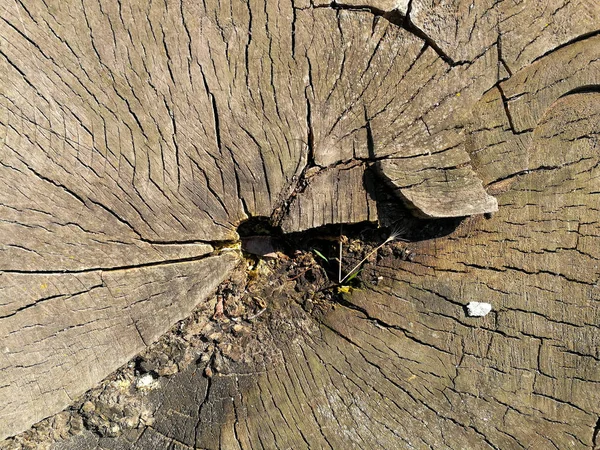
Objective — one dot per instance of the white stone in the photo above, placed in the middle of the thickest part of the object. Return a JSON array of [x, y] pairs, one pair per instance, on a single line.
[[146, 381], [477, 309]]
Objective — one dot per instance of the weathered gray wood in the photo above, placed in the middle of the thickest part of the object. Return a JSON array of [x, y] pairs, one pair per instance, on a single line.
[[382, 86], [530, 93], [401, 366], [135, 138], [64, 333], [332, 196]]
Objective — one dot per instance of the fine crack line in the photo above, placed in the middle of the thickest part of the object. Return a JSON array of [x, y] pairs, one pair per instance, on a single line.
[[579, 38], [116, 268], [395, 17]]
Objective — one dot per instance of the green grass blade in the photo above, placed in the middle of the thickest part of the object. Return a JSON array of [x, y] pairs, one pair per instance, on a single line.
[[353, 276], [321, 255]]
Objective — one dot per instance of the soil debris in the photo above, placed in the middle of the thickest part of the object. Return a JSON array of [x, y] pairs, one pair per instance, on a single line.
[[266, 301]]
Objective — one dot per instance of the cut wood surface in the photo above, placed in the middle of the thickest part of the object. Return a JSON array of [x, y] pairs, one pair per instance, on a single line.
[[136, 138]]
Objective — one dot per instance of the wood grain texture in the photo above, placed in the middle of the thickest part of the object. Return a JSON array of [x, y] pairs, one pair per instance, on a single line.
[[333, 196], [354, 116], [136, 138], [64, 333], [400, 365]]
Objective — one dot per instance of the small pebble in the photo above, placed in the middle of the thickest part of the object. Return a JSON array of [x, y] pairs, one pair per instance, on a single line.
[[146, 381], [216, 336], [477, 309], [88, 407], [146, 418]]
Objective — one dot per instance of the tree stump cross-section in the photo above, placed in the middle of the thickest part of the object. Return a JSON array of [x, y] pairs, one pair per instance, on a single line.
[[136, 137]]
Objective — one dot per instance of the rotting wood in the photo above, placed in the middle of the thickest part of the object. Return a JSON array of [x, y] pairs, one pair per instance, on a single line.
[[136, 138], [65, 332]]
